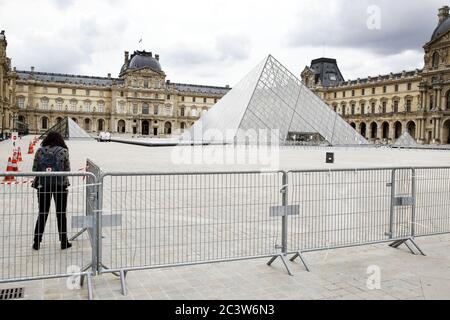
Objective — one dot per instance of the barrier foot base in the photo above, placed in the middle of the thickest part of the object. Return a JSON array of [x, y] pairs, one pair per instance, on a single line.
[[83, 276], [283, 259], [416, 246], [89, 287], [303, 260], [78, 234], [123, 283], [398, 243]]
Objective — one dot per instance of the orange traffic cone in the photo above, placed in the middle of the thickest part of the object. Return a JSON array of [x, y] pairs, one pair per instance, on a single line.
[[30, 148], [15, 166], [9, 168], [19, 155]]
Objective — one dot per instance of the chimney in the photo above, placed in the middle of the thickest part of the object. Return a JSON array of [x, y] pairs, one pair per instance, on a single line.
[[127, 56], [443, 13], [109, 75], [32, 69], [157, 57], [168, 81]]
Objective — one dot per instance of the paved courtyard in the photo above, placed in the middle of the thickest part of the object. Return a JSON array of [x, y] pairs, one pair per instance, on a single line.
[[336, 274]]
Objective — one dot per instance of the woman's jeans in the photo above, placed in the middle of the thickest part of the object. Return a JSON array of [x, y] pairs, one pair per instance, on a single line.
[[45, 194]]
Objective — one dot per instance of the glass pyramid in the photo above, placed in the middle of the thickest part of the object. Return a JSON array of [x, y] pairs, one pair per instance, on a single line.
[[270, 97], [69, 129], [405, 140]]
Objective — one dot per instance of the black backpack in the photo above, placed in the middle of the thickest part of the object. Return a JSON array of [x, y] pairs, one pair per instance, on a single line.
[[49, 163]]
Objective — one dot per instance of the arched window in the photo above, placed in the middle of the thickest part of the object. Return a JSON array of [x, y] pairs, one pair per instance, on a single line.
[[183, 126], [167, 128], [87, 124], [100, 125], [44, 123], [435, 60]]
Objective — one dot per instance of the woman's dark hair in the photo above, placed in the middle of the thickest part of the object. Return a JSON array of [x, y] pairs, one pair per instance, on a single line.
[[54, 139]]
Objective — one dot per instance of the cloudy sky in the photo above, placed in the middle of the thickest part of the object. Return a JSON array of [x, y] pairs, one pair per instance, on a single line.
[[216, 42]]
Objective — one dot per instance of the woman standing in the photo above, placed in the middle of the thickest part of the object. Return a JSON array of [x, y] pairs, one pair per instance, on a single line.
[[53, 156]]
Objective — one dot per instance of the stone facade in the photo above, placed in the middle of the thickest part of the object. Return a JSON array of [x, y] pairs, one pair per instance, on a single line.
[[140, 101], [383, 107], [6, 95]]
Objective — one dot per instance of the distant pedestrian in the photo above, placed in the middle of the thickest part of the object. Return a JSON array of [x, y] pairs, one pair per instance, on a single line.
[[53, 156]]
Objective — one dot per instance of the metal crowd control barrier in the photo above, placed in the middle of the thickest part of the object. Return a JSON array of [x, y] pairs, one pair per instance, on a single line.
[[433, 201], [179, 219], [347, 208], [21, 205]]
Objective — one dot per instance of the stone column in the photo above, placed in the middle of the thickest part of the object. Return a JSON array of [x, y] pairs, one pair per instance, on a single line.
[[438, 130]]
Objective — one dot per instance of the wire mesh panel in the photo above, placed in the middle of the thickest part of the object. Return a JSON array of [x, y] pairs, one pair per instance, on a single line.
[[403, 203], [339, 208], [433, 201], [170, 219], [35, 225]]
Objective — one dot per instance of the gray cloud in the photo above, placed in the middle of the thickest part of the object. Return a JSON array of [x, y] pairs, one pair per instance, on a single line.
[[405, 25], [233, 47]]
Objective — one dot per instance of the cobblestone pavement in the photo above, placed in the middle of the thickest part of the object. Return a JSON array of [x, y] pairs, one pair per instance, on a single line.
[[336, 274]]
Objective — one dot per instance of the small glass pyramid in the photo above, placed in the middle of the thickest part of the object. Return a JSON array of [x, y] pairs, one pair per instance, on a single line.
[[405, 140], [69, 129], [271, 98]]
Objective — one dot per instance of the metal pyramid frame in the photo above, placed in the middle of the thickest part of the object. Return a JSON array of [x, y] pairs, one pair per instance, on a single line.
[[270, 97], [69, 129]]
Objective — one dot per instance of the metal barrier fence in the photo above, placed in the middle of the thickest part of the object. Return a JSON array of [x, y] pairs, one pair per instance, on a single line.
[[25, 212], [344, 208], [132, 221], [433, 201], [178, 219]]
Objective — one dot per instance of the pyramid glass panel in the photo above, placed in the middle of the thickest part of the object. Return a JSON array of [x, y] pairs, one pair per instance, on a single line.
[[272, 98]]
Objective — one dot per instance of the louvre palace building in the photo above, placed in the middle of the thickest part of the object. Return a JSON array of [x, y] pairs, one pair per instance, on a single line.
[[141, 101], [383, 107]]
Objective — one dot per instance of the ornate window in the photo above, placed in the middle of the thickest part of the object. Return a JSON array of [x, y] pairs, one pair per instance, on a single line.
[[44, 103], [145, 109], [396, 106], [408, 105], [121, 107], [435, 60], [101, 106], [59, 104], [156, 110], [182, 111], [448, 100], [73, 105], [21, 102], [44, 123], [87, 106]]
